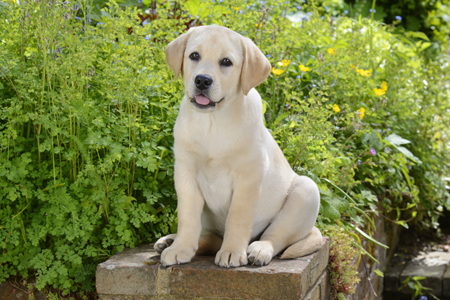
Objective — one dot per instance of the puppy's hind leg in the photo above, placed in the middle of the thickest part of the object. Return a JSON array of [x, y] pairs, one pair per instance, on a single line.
[[294, 224], [306, 246]]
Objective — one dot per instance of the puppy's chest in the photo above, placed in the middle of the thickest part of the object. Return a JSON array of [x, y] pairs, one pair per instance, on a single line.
[[216, 184]]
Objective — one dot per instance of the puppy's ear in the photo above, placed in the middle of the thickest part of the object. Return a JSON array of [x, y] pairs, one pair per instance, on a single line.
[[256, 66], [175, 52]]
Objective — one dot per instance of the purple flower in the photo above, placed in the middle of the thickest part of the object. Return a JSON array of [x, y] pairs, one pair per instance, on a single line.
[[373, 152], [268, 55], [374, 11], [398, 18], [359, 162], [345, 11]]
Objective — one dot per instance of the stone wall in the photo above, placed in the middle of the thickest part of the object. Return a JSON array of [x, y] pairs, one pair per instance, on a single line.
[[371, 285], [137, 274]]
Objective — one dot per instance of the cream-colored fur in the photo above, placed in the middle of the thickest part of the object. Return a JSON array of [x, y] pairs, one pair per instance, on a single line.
[[234, 185]]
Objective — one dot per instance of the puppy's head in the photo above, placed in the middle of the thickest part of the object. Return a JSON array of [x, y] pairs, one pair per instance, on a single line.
[[217, 65]]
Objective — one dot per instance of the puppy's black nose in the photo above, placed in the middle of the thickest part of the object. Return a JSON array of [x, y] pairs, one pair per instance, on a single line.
[[203, 82]]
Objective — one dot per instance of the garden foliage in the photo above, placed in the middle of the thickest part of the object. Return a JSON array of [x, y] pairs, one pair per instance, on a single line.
[[431, 17], [87, 107]]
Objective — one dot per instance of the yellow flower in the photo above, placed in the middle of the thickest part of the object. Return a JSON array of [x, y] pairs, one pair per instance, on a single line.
[[331, 51], [379, 92], [284, 63], [353, 66], [361, 111], [277, 71], [336, 108], [258, 25], [363, 72], [382, 91], [303, 68], [235, 8]]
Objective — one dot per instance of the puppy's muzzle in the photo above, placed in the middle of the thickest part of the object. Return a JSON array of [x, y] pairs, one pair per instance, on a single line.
[[202, 100]]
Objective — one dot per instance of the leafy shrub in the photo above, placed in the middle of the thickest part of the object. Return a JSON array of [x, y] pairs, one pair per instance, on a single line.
[[86, 136], [429, 17], [88, 107]]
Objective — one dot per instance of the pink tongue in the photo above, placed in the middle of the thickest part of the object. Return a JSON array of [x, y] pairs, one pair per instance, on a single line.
[[202, 100]]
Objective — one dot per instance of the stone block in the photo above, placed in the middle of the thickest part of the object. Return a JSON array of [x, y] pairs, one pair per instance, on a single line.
[[137, 274], [433, 276], [321, 289], [12, 290], [392, 277], [446, 283]]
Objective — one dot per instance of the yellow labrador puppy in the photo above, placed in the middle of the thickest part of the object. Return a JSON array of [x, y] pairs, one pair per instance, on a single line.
[[234, 185]]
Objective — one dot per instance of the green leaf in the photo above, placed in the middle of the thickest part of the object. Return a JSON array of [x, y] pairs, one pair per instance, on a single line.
[[424, 46], [339, 204], [126, 202], [364, 252], [349, 198], [369, 196], [341, 44], [193, 7], [401, 223], [417, 34], [408, 154], [327, 210], [379, 273], [417, 278], [365, 235], [396, 140]]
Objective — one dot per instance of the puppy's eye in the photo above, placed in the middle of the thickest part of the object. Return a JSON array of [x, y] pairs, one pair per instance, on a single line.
[[225, 62], [194, 56]]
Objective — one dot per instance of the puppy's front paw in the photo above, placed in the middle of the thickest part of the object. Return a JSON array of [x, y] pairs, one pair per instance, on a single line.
[[231, 258], [164, 242], [260, 253], [177, 255]]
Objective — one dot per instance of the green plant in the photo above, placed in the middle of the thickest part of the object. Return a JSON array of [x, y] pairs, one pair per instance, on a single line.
[[414, 284], [342, 268], [85, 133]]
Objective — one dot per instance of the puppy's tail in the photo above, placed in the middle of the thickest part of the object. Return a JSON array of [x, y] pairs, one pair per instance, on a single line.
[[307, 245]]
